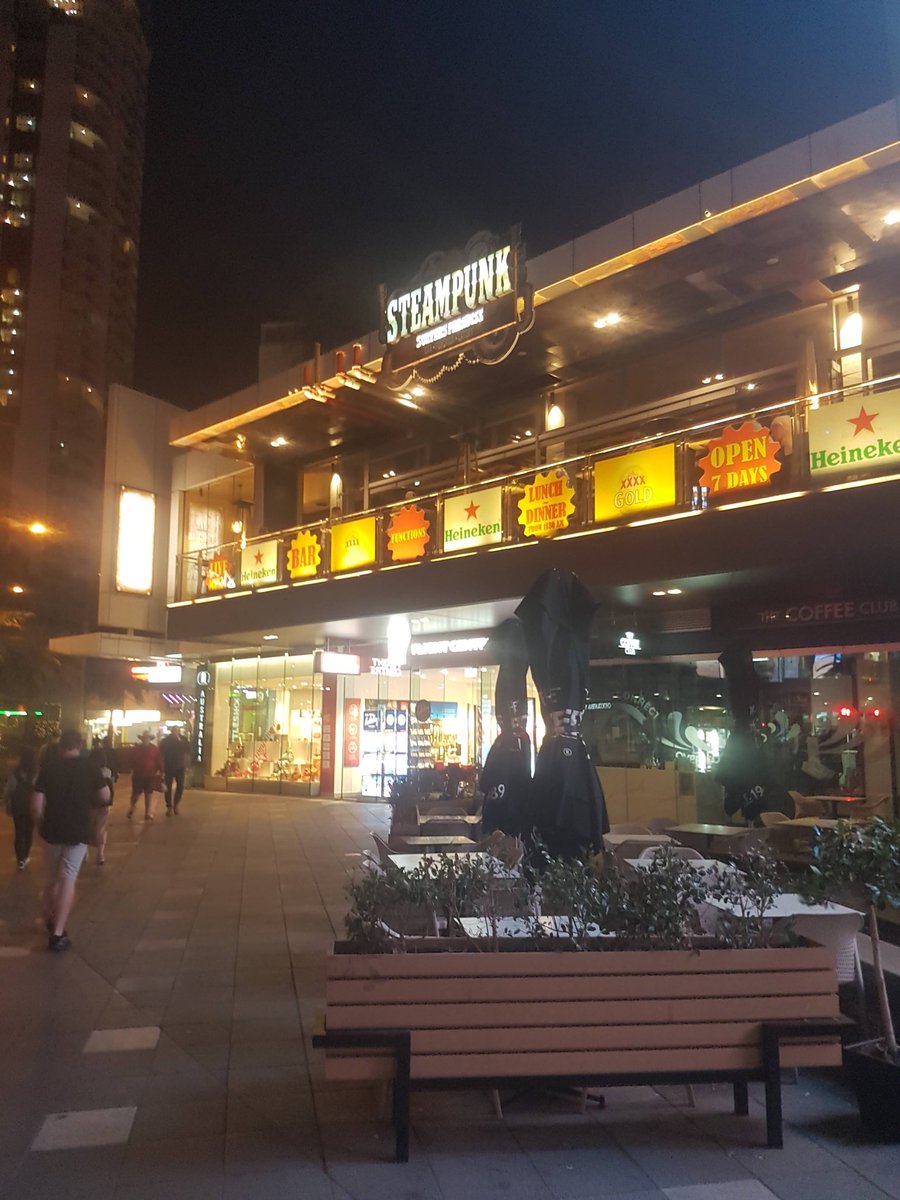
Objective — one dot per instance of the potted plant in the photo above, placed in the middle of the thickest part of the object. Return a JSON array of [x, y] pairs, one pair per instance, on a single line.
[[864, 861]]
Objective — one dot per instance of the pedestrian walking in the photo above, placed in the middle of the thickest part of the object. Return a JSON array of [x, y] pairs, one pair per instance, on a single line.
[[17, 802], [146, 774], [101, 757], [176, 753], [67, 790]]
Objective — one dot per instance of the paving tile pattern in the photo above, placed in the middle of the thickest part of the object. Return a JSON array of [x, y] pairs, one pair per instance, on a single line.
[[168, 1053]]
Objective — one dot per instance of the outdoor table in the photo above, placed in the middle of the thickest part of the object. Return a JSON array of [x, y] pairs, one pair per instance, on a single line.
[[440, 841], [809, 823], [712, 865], [832, 802], [711, 831], [411, 862], [611, 840], [427, 818], [483, 927]]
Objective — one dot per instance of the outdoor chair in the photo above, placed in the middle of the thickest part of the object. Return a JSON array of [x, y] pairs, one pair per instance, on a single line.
[[686, 853], [772, 818], [384, 850], [629, 849], [864, 812], [806, 807], [629, 828], [661, 824]]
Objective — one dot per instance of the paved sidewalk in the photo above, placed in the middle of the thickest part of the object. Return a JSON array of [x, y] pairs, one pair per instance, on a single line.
[[167, 1054]]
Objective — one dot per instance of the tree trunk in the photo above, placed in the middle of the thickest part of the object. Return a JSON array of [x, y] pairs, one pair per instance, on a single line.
[[884, 1004]]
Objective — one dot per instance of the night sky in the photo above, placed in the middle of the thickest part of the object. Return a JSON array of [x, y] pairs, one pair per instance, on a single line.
[[301, 151]]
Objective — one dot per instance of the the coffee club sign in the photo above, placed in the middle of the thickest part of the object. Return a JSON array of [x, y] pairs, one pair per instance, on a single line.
[[473, 301], [855, 435], [634, 483], [546, 506], [743, 456]]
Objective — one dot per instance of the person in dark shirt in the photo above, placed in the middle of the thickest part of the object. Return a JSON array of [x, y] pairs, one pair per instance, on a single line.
[[176, 753], [66, 791]]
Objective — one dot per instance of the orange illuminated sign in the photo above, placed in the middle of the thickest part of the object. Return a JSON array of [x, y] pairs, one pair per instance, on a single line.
[[743, 457], [408, 533]]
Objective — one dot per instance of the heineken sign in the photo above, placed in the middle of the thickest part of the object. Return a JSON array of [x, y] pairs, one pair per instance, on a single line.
[[474, 519], [862, 434], [465, 303]]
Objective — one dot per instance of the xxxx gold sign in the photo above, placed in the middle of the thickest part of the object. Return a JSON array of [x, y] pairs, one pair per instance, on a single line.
[[304, 556], [353, 544], [743, 457], [408, 533], [547, 504], [633, 483]]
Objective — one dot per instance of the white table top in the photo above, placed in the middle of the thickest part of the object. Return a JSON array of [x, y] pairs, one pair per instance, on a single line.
[[713, 865], [411, 862], [790, 904], [482, 927], [611, 840]]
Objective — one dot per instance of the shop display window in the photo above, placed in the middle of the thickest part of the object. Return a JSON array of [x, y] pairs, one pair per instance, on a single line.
[[267, 725]]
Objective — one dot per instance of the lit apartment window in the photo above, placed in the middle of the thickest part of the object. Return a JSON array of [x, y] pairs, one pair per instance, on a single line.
[[84, 96], [17, 218], [26, 123], [20, 179], [23, 162], [84, 136], [79, 209], [30, 85], [20, 198]]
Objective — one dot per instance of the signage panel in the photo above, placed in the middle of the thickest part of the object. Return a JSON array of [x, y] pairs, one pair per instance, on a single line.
[[219, 573], [547, 505], [408, 533], [353, 544], [330, 662], [473, 519], [304, 555], [135, 541], [351, 733], [634, 483], [259, 563], [158, 672], [856, 435], [460, 644], [743, 456], [875, 607]]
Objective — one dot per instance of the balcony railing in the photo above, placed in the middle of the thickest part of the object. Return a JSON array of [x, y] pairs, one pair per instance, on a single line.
[[780, 451]]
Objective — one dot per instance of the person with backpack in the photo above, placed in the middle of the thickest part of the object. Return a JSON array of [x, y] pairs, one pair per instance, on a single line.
[[17, 802]]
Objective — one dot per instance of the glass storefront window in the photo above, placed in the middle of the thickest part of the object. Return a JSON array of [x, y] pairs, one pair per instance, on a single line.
[[267, 726]]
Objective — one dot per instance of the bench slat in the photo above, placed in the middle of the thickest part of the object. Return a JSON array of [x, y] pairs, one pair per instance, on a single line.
[[532, 963], [370, 992], [577, 1063], [581, 1012]]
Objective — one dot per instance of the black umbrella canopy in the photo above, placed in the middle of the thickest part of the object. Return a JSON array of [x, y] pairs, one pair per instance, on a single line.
[[506, 776], [743, 683], [568, 808]]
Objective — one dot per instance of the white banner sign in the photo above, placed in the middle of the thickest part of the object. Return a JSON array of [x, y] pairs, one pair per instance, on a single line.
[[475, 519], [861, 434], [259, 563]]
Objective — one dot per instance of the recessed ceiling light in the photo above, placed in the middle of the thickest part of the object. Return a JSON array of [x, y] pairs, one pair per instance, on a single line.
[[659, 592], [418, 391], [892, 217], [719, 376], [270, 637], [279, 441], [17, 588], [751, 387], [611, 318], [673, 591], [706, 379]]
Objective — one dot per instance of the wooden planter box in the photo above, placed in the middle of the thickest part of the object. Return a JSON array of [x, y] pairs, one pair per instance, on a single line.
[[496, 1015]]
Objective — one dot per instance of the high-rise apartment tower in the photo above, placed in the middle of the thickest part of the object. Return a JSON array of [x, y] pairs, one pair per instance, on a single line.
[[73, 82]]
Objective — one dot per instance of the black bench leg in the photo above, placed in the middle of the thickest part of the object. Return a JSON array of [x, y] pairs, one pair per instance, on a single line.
[[741, 1098], [401, 1100], [772, 1069]]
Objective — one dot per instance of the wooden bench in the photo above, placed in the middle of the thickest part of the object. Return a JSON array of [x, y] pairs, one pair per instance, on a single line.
[[610, 1017]]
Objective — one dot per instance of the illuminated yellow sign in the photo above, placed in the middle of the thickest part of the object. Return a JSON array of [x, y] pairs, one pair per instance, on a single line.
[[633, 483], [547, 504], [304, 556], [353, 544]]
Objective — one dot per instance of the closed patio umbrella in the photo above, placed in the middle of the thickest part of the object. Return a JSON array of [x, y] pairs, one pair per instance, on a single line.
[[568, 808], [506, 776]]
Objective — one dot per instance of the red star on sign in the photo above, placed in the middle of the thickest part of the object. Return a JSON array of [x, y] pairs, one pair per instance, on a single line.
[[472, 511], [257, 557], [863, 421]]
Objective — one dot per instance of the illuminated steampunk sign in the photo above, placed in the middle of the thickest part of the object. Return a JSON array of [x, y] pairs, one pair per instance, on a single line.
[[471, 304]]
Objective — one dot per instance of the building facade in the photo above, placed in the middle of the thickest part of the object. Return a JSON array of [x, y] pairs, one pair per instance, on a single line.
[[696, 408], [73, 79]]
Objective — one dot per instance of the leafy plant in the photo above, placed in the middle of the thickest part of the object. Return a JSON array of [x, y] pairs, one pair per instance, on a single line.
[[863, 860], [655, 908], [750, 890]]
